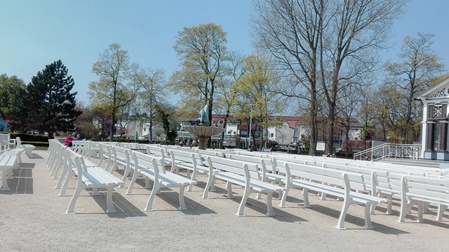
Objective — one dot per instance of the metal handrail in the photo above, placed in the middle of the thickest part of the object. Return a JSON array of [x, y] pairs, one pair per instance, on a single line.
[[388, 150]]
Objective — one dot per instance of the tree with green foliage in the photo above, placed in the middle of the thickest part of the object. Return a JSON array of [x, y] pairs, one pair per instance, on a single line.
[[166, 114], [49, 104], [113, 91], [227, 90], [10, 91], [84, 123], [202, 51], [256, 92]]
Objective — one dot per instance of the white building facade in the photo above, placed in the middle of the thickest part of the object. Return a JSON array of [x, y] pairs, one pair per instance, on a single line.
[[434, 130]]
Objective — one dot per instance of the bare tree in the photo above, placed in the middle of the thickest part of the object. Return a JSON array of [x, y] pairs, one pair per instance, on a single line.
[[323, 43], [151, 92], [290, 31], [413, 74]]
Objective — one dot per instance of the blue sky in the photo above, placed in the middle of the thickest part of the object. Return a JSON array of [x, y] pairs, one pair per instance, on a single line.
[[35, 33]]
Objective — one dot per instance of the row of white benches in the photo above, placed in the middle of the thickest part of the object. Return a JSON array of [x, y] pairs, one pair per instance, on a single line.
[[255, 175], [90, 175], [388, 181], [368, 186]]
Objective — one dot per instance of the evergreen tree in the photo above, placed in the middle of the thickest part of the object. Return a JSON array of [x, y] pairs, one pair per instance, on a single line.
[[50, 104]]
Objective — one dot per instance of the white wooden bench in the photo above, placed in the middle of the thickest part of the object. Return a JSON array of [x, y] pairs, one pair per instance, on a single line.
[[90, 177], [9, 159], [28, 147], [331, 182], [243, 174], [191, 161], [153, 168], [423, 190]]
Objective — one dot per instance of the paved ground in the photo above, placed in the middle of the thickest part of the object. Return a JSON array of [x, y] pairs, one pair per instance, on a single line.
[[32, 218]]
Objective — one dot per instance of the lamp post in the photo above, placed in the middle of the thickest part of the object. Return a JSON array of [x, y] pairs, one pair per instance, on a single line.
[[250, 124]]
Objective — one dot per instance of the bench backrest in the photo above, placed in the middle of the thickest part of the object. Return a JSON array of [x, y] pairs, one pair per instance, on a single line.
[[249, 170], [264, 163], [105, 151], [156, 150], [74, 160], [185, 156], [120, 155], [211, 153], [432, 187], [346, 180], [129, 145], [151, 163]]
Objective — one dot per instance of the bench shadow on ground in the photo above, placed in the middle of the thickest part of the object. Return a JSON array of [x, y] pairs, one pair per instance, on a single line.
[[123, 208], [355, 220], [170, 196], [22, 181], [258, 205], [34, 156], [429, 216]]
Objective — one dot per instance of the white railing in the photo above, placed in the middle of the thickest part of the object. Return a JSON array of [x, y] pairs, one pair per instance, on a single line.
[[388, 150]]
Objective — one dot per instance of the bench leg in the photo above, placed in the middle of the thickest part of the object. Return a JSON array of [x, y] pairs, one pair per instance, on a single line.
[[9, 174], [405, 208], [131, 184], [229, 188], [368, 224], [245, 197], [182, 204], [421, 209], [156, 188], [284, 194], [125, 174], [305, 193], [389, 204], [61, 178], [441, 209], [109, 202], [270, 211], [76, 194], [209, 184], [70, 175], [5, 186], [344, 210], [193, 177], [147, 183]]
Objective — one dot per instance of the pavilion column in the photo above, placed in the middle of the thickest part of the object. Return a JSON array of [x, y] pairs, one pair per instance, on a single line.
[[443, 135], [430, 129]]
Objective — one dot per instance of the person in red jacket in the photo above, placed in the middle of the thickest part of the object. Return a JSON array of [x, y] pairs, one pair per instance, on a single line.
[[68, 141]]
